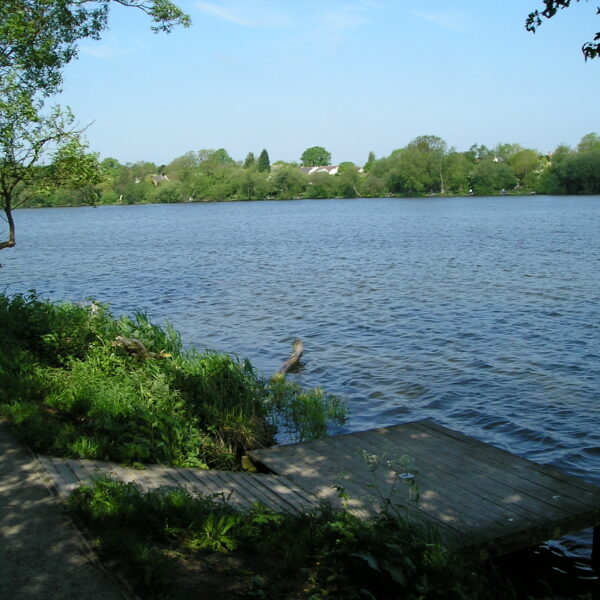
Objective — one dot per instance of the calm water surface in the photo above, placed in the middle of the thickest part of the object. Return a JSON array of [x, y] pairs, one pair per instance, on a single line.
[[480, 313]]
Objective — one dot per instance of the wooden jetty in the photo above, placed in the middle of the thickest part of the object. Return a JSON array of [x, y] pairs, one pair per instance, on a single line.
[[481, 498]]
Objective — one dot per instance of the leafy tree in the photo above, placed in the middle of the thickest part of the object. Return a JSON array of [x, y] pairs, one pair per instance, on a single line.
[[416, 169], [180, 168], [38, 38], [562, 151], [285, 163], [373, 186], [168, 192], [316, 156], [27, 137], [348, 181], [590, 141], [526, 164], [457, 167], [402, 173], [573, 174], [322, 185], [534, 20], [215, 163], [288, 182], [222, 156], [476, 153], [140, 170], [264, 163], [506, 151], [489, 177], [369, 162], [250, 161], [249, 184], [344, 166], [433, 151]]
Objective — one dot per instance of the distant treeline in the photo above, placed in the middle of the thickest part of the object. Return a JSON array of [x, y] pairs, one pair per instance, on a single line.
[[426, 166]]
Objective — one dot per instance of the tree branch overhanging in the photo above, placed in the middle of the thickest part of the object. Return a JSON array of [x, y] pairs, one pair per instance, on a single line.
[[38, 38], [590, 50]]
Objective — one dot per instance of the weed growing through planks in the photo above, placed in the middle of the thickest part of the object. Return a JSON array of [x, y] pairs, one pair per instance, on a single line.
[[388, 472]]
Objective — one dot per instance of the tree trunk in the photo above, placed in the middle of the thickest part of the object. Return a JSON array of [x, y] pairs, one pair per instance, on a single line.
[[10, 242], [294, 359]]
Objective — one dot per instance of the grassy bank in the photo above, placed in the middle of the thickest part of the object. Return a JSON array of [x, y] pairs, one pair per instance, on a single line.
[[76, 381], [169, 543]]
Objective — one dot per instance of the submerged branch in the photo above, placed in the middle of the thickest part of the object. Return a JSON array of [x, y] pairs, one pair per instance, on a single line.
[[294, 359]]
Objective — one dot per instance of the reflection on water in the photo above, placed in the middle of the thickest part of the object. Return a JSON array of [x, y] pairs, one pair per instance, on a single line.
[[480, 313]]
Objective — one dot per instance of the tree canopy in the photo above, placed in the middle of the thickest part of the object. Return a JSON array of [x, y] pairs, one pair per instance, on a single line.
[[264, 163], [316, 156], [534, 20], [38, 38]]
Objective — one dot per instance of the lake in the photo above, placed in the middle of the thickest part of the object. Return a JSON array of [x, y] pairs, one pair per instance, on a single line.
[[480, 313]]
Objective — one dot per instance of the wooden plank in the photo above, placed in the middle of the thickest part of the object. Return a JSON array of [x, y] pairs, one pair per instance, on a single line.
[[84, 476], [242, 488], [551, 504], [541, 501], [213, 484], [543, 475], [52, 473], [187, 479], [324, 471], [497, 501], [256, 494], [527, 467], [285, 488], [280, 497], [65, 479], [158, 476], [486, 482], [428, 483]]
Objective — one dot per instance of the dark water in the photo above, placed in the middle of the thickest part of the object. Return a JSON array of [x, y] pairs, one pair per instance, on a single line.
[[480, 313]]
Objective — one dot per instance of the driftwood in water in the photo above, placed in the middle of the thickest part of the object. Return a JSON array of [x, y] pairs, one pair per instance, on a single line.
[[136, 348], [294, 359]]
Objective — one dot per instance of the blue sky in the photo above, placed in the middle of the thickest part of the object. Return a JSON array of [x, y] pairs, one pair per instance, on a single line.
[[350, 75]]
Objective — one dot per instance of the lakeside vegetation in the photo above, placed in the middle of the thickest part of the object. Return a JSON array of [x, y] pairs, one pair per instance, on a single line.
[[76, 381], [425, 166]]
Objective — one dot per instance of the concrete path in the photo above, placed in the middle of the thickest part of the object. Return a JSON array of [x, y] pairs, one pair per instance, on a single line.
[[42, 554]]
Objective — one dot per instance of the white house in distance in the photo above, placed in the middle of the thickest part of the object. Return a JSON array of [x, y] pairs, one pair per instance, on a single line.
[[331, 170]]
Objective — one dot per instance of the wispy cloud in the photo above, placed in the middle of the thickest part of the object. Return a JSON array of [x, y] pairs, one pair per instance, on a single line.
[[448, 19], [256, 13], [334, 24], [107, 50], [224, 13], [341, 21]]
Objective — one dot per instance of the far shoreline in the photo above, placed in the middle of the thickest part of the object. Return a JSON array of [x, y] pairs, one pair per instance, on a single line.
[[391, 196]]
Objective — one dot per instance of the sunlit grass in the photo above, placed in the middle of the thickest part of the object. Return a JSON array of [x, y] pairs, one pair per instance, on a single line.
[[75, 381]]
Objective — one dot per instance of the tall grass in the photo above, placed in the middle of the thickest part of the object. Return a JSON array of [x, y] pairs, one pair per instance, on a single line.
[[75, 381]]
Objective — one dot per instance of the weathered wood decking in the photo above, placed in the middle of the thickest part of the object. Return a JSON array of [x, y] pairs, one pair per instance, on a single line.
[[478, 496], [244, 489], [481, 498]]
